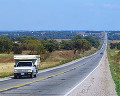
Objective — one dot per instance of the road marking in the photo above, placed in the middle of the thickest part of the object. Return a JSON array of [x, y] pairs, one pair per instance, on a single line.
[[67, 64], [46, 77], [68, 93], [39, 79]]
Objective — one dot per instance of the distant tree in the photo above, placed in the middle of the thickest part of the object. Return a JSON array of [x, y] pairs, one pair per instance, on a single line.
[[40, 48], [17, 49], [86, 45], [6, 45], [51, 45], [118, 53], [118, 46], [76, 41], [77, 37], [114, 37], [77, 45], [31, 45], [23, 38], [94, 41], [67, 45], [35, 46], [112, 46], [24, 46], [80, 44]]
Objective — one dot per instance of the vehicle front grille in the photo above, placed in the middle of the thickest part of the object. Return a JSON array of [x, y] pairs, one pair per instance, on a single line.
[[22, 70]]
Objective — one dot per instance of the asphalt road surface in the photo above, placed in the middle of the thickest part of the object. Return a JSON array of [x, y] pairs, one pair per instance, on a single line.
[[56, 82]]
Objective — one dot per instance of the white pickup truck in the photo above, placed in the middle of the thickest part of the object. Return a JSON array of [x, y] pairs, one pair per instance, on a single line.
[[26, 65]]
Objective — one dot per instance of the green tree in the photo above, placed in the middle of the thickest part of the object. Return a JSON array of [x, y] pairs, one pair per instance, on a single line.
[[6, 45], [76, 43], [118, 53], [77, 37], [31, 45], [67, 45], [40, 48], [17, 49], [23, 38], [118, 46], [94, 41], [86, 45], [51, 45]]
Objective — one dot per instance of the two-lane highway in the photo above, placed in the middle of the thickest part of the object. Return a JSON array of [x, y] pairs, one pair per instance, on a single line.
[[56, 82]]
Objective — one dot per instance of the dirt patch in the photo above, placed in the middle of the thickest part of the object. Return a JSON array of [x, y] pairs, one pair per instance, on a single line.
[[6, 59], [114, 41], [58, 56]]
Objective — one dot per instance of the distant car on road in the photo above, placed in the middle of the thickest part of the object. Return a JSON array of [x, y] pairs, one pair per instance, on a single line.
[[101, 53]]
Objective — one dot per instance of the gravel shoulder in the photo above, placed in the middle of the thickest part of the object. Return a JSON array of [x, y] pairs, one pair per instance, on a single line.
[[99, 83]]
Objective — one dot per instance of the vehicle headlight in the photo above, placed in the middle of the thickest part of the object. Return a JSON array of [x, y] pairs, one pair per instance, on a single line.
[[29, 70], [15, 70]]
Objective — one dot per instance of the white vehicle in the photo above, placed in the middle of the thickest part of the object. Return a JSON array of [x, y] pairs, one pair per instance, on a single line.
[[26, 65]]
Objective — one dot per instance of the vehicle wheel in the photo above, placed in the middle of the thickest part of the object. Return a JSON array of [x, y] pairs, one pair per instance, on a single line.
[[15, 77], [35, 75], [19, 77], [31, 76]]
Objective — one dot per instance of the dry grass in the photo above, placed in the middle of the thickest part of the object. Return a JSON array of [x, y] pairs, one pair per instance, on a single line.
[[56, 58], [114, 41], [60, 57], [6, 69], [45, 65], [115, 67], [6, 59], [6, 65], [87, 53]]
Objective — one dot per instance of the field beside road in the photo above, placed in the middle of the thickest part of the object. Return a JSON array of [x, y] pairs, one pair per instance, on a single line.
[[6, 69], [114, 41], [55, 58], [62, 78], [115, 68]]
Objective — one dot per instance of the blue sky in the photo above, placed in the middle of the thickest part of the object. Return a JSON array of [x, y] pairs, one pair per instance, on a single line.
[[59, 14]]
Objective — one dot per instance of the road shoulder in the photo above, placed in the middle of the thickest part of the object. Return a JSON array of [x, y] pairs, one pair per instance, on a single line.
[[99, 83]]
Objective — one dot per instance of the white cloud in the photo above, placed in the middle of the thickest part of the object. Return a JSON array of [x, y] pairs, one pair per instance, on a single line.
[[111, 6], [89, 4]]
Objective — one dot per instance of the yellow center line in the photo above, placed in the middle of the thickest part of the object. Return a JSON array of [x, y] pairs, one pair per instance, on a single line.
[[39, 79]]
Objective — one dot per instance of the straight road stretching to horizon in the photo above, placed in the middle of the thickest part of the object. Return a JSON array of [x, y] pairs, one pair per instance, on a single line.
[[56, 82]]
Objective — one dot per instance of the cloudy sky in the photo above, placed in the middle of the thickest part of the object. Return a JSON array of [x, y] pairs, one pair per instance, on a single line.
[[59, 14]]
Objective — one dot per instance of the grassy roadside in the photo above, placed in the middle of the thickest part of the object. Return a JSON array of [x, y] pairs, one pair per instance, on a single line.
[[5, 55], [56, 58], [62, 57], [6, 69], [114, 68]]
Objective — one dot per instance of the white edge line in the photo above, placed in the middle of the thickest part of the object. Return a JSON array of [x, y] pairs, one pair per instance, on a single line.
[[5, 79], [84, 79]]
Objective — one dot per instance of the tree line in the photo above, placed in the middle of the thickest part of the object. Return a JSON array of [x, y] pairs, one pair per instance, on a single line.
[[41, 46], [113, 36], [115, 45], [53, 34]]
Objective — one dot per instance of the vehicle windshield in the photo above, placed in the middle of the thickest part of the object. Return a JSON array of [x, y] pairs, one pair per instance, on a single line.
[[24, 64]]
